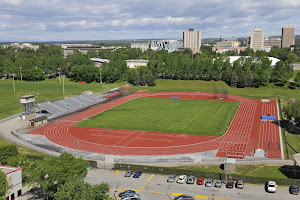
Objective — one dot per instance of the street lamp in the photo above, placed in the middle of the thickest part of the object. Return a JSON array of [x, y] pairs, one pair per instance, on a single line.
[[63, 77], [59, 71], [100, 69], [20, 72], [14, 81]]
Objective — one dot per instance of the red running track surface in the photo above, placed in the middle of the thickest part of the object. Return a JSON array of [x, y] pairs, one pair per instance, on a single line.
[[245, 133]]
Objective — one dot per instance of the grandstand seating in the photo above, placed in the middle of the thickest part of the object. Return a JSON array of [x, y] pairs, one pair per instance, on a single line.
[[71, 104]]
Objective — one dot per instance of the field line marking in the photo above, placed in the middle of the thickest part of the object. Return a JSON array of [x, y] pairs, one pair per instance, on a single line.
[[146, 182], [177, 194], [117, 172]]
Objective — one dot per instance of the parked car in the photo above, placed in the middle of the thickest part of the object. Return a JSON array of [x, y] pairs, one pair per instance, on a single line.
[[209, 182], [191, 180], [181, 179], [183, 197], [126, 192], [271, 186], [294, 189], [239, 184], [137, 174], [131, 197], [128, 173], [171, 178], [230, 184], [200, 181], [218, 184]]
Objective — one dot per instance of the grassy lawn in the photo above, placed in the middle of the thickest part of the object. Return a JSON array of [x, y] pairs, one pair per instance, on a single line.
[[270, 91], [49, 89], [294, 143], [196, 117], [21, 150]]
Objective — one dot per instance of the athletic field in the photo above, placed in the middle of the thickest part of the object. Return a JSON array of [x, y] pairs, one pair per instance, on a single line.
[[184, 116]]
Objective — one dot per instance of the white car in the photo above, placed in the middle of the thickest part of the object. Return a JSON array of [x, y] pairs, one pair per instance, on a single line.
[[271, 186], [181, 179]]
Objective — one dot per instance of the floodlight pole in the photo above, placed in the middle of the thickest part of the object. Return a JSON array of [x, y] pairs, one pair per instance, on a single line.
[[21, 73], [63, 77], [14, 82], [59, 71], [226, 168], [100, 69]]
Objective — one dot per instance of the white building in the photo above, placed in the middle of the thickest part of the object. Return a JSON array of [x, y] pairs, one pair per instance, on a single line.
[[192, 40], [22, 46], [257, 39], [14, 179]]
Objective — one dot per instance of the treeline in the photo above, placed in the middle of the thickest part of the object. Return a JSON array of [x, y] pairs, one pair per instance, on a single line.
[[58, 177]]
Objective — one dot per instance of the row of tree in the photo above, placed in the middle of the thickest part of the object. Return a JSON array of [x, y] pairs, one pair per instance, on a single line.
[[59, 176]]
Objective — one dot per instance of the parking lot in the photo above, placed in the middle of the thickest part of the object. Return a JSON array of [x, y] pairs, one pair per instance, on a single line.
[[156, 187]]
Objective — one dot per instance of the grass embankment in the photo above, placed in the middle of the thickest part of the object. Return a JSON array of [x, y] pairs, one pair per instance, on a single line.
[[270, 91], [195, 117], [49, 89], [258, 174]]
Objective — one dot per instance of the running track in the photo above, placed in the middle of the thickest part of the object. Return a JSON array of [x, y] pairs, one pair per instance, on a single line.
[[245, 133]]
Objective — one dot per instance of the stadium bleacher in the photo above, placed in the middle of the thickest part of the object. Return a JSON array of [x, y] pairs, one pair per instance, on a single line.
[[71, 104]]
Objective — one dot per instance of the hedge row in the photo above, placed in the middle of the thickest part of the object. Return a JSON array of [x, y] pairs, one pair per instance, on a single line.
[[213, 175]]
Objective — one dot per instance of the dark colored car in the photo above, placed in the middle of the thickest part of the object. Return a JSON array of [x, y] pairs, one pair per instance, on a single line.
[[126, 192], [200, 181], [137, 174], [184, 197], [128, 173], [294, 189], [230, 185]]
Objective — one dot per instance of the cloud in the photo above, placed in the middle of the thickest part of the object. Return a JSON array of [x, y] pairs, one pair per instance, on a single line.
[[131, 18]]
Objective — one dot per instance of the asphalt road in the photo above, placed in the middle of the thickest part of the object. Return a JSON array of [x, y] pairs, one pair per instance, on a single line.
[[156, 187]]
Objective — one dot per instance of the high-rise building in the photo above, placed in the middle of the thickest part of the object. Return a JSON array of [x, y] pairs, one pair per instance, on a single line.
[[192, 40], [257, 39], [288, 39]]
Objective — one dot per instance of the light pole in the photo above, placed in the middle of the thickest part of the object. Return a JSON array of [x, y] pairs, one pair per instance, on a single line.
[[59, 71], [78, 148], [63, 77], [100, 69], [14, 81], [20, 72]]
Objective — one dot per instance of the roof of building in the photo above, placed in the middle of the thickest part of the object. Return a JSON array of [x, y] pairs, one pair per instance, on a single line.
[[234, 58], [145, 61], [230, 160], [297, 158], [8, 170], [27, 96], [99, 60], [39, 118]]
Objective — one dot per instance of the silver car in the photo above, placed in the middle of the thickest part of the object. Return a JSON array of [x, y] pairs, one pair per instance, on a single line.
[[171, 178], [218, 184], [191, 180], [209, 182], [239, 184]]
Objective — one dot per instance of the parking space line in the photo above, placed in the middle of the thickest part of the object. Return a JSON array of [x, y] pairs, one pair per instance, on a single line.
[[177, 194], [117, 172], [154, 192], [202, 197], [146, 182]]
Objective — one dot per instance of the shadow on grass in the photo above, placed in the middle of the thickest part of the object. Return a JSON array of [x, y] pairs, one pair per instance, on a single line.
[[288, 171]]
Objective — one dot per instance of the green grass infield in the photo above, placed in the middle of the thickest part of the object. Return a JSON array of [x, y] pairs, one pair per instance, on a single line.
[[195, 117]]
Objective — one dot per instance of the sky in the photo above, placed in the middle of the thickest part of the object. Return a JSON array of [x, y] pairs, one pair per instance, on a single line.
[[63, 20]]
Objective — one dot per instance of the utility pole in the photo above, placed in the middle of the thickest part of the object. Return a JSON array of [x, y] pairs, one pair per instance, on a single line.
[[78, 148], [226, 168], [21, 73], [100, 69], [59, 71], [14, 81], [63, 77]]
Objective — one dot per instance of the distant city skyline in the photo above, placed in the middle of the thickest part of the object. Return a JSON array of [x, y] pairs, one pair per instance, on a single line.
[[61, 20]]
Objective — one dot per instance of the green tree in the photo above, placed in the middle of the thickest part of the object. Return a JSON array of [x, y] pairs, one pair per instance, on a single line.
[[297, 79], [6, 152], [56, 171], [3, 185], [76, 188], [292, 110]]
